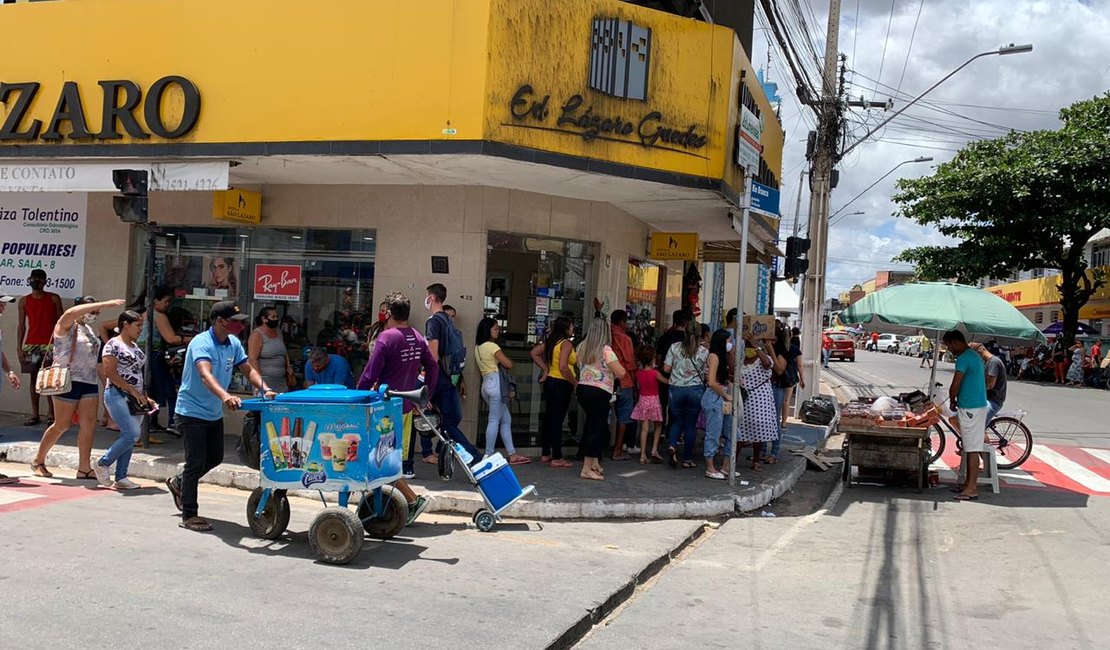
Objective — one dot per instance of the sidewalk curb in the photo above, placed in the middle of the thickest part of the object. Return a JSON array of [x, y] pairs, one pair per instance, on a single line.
[[468, 501]]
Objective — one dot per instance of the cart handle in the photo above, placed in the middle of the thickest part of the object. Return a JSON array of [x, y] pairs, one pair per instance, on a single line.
[[419, 397]]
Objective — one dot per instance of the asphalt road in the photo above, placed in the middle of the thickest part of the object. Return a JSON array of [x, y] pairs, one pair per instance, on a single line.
[[1076, 416]]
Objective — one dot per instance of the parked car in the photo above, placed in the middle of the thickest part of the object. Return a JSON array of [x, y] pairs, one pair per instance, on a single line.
[[911, 346], [889, 343], [843, 346]]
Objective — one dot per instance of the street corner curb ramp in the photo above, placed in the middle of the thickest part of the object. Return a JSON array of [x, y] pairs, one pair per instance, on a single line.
[[745, 499]]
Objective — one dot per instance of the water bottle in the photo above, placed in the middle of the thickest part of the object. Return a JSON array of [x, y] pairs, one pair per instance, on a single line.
[[463, 454]]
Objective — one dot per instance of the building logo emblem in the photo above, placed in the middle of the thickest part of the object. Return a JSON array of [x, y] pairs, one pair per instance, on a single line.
[[620, 53]]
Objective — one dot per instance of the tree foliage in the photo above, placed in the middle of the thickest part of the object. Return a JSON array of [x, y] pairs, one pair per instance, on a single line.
[[1023, 201]]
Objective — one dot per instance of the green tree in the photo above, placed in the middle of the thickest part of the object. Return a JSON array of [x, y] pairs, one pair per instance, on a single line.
[[1023, 201]]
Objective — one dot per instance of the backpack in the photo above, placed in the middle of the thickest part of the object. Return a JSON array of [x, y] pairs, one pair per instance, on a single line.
[[452, 352]]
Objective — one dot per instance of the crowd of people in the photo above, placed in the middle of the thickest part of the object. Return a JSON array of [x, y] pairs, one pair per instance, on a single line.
[[666, 393]]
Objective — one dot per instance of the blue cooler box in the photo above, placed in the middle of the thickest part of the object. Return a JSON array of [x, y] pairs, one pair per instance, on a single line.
[[497, 481]]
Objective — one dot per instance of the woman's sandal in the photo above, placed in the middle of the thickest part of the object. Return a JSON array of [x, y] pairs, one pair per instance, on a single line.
[[86, 476], [688, 464], [770, 460], [32, 421], [593, 476], [644, 461], [560, 463], [672, 457], [656, 459], [40, 470], [757, 467]]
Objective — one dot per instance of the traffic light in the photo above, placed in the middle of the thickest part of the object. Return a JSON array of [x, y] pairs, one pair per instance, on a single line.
[[132, 184], [795, 267]]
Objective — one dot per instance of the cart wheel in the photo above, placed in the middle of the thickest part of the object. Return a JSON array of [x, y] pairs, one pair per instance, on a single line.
[[274, 518], [336, 535], [391, 521], [484, 520]]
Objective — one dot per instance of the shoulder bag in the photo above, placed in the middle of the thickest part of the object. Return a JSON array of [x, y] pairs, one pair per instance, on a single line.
[[55, 379]]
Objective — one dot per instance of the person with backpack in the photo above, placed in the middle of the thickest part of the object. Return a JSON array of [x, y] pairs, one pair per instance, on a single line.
[[446, 343]]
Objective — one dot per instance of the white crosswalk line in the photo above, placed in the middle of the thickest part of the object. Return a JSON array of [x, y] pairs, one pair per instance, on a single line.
[[1018, 477], [1101, 454], [1072, 469], [8, 497]]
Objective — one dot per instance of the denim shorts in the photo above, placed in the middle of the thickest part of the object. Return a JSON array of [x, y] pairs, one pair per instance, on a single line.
[[78, 391], [624, 405]]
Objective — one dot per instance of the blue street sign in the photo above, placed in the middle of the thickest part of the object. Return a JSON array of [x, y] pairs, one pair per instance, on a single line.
[[765, 199]]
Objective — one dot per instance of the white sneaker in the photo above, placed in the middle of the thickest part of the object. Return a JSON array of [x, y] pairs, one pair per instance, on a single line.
[[126, 484], [103, 474]]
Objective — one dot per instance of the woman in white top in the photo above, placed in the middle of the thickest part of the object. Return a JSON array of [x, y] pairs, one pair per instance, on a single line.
[[77, 346], [490, 360], [124, 362]]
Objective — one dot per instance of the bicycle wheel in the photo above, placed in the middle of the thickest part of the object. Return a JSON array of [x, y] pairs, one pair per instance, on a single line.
[[1012, 440], [936, 442]]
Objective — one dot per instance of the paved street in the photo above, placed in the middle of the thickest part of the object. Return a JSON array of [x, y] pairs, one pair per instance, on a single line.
[[865, 567]]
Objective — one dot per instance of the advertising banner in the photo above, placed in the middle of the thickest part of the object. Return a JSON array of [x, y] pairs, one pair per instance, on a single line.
[[331, 447], [43, 231], [74, 176], [277, 282]]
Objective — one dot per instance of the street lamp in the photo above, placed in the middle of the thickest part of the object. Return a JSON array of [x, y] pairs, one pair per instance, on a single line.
[[833, 219], [1004, 50]]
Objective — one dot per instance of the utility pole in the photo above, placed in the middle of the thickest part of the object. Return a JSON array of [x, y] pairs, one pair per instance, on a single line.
[[822, 159]]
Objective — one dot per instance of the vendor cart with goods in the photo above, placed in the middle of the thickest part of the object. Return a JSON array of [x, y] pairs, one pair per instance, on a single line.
[[888, 434], [330, 439], [491, 476]]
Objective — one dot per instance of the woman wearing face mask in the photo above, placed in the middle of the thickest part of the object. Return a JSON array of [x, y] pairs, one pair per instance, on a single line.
[[76, 344], [266, 351]]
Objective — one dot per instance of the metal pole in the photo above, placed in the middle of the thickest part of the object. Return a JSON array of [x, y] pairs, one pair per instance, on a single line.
[[820, 186], [148, 348], [738, 344]]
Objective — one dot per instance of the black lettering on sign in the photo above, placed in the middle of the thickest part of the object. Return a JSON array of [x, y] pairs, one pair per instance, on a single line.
[[69, 109], [123, 113], [16, 112], [190, 112]]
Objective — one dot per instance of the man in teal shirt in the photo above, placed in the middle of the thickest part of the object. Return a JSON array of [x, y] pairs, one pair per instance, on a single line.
[[968, 395]]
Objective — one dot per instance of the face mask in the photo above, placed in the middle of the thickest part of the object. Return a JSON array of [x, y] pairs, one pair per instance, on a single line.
[[428, 303], [383, 316], [729, 346], [234, 327], [89, 319], [273, 324]]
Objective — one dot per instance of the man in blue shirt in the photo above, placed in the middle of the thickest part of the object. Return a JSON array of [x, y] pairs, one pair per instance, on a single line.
[[968, 395], [211, 359], [324, 368]]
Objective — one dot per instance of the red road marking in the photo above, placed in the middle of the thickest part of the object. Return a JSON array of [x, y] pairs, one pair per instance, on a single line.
[[44, 494]]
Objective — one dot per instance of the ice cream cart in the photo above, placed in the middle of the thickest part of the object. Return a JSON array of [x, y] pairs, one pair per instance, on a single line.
[[328, 438]]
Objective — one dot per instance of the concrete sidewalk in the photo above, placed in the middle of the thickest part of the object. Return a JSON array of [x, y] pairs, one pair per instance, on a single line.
[[630, 491]]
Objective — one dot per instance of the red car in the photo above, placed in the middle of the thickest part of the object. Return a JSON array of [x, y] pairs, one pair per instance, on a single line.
[[843, 347]]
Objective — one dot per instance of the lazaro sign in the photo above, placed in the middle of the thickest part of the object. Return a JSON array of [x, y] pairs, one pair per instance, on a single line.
[[578, 118], [277, 282], [119, 101]]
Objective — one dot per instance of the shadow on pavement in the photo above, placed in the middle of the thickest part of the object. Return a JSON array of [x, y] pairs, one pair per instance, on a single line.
[[1009, 497]]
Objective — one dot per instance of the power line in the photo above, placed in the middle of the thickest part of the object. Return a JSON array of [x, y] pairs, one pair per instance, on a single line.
[[909, 49], [886, 40], [855, 33]]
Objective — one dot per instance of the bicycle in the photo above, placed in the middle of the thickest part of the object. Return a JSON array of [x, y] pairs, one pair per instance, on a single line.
[[1006, 433]]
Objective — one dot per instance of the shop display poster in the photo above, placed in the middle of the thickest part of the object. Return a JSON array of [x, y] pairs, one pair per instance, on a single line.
[[43, 230], [277, 282]]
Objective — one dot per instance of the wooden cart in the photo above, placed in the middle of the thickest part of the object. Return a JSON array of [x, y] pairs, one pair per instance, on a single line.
[[892, 448]]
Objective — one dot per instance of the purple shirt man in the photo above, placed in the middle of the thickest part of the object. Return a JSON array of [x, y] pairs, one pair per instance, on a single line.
[[399, 356]]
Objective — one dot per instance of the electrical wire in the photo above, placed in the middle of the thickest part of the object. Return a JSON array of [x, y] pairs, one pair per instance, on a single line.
[[886, 40], [909, 49]]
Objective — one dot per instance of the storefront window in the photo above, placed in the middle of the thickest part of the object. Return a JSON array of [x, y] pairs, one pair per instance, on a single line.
[[644, 303], [321, 281], [530, 281]]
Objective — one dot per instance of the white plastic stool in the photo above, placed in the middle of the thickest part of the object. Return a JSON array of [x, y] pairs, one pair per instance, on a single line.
[[988, 472]]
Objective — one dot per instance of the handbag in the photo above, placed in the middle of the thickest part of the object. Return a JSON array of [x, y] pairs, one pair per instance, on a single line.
[[133, 405], [55, 379]]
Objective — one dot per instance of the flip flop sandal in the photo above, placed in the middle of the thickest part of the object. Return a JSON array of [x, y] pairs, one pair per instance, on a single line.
[[644, 461], [32, 421], [560, 463], [40, 470], [964, 497], [672, 458], [196, 524], [8, 480], [86, 476], [656, 459], [520, 460], [686, 464]]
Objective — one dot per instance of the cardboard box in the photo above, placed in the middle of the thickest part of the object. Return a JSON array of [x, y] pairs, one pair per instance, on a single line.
[[760, 327]]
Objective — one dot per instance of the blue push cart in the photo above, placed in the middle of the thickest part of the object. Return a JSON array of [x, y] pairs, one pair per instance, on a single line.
[[492, 476], [330, 439]]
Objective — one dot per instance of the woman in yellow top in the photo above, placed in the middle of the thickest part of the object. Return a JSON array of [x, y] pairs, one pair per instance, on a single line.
[[557, 361], [490, 360]]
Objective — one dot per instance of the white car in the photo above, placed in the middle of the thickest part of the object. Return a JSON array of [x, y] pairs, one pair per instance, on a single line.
[[889, 343]]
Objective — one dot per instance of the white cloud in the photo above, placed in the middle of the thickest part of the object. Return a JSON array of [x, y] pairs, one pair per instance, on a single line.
[[1070, 61]]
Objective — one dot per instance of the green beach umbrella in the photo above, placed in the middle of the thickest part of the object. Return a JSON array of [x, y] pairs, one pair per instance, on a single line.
[[943, 306]]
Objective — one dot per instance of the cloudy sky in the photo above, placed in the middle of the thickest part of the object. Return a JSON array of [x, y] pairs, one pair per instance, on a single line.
[[898, 48]]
